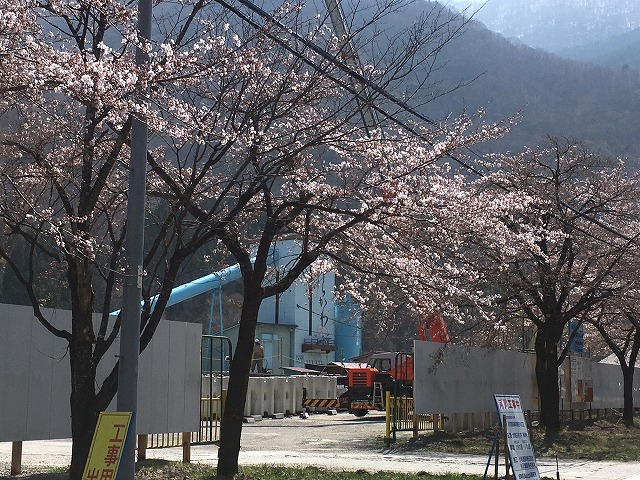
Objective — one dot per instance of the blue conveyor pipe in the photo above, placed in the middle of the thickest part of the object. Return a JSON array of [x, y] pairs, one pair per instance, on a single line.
[[201, 285]]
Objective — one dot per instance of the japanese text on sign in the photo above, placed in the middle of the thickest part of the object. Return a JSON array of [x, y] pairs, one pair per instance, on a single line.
[[523, 460], [106, 447]]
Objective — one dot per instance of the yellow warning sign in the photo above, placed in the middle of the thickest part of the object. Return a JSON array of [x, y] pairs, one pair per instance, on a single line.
[[107, 445]]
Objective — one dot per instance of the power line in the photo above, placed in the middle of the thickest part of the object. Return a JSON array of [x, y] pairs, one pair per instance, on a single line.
[[403, 106]]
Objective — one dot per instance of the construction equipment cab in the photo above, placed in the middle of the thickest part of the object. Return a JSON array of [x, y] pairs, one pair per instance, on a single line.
[[388, 372], [399, 365], [367, 387]]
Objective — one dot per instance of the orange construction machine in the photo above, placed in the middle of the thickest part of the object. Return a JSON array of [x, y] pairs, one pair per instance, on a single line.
[[367, 387], [434, 324], [388, 371]]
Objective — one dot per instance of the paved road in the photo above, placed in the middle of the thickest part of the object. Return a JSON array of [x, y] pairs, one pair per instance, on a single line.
[[338, 442]]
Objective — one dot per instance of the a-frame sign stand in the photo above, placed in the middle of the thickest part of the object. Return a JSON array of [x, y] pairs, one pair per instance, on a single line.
[[519, 457], [494, 454]]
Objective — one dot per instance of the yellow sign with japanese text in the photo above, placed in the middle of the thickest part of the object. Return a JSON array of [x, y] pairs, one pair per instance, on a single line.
[[107, 446]]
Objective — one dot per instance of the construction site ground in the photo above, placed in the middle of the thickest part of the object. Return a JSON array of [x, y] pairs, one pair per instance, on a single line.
[[339, 442]]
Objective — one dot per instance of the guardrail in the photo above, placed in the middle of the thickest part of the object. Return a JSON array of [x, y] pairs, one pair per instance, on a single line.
[[165, 440], [211, 409]]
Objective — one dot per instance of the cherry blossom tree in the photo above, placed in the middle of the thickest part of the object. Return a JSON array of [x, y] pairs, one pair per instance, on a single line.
[[327, 183], [429, 258], [561, 256], [618, 323], [256, 136], [63, 146]]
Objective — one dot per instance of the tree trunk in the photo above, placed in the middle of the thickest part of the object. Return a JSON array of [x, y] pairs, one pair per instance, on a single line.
[[84, 415], [231, 428], [627, 412], [547, 377]]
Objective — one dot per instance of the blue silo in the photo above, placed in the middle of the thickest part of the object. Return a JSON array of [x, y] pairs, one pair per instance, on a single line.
[[348, 328]]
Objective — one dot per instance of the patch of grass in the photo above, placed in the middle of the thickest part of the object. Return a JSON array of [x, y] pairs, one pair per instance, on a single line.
[[315, 473], [164, 469], [601, 439], [594, 440], [40, 473], [60, 470], [183, 471], [477, 442]]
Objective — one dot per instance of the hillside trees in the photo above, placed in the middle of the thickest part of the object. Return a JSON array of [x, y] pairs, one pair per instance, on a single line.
[[256, 136], [566, 248]]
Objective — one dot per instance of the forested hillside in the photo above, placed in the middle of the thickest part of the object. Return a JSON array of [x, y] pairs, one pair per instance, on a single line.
[[621, 51], [552, 24], [556, 96]]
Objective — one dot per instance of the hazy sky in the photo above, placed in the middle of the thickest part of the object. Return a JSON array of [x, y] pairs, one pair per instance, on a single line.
[[475, 3]]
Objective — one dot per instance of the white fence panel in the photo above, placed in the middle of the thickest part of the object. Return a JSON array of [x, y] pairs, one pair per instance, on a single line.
[[35, 377], [460, 379]]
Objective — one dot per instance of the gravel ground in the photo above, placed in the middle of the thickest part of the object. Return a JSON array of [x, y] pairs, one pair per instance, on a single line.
[[319, 432], [341, 442]]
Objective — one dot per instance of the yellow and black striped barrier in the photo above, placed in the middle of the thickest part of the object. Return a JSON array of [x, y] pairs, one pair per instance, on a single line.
[[321, 402]]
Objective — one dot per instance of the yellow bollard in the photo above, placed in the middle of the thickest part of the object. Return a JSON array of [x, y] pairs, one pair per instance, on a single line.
[[387, 404]]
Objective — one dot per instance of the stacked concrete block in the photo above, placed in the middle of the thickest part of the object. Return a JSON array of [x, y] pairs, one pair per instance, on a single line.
[[272, 396]]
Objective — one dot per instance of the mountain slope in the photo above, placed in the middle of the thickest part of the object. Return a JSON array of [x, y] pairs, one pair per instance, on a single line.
[[552, 24], [615, 52], [557, 96]]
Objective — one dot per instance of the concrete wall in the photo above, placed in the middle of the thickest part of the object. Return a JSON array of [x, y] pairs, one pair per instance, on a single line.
[[272, 395], [607, 386], [35, 377], [460, 379]]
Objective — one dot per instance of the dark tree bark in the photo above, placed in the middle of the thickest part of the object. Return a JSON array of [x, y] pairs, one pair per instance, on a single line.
[[231, 428], [546, 347], [627, 374], [84, 414], [630, 344], [627, 411]]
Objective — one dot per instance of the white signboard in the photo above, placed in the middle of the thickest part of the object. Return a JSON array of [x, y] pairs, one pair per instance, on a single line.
[[521, 454]]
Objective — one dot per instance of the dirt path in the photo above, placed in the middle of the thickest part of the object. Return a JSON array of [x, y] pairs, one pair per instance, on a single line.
[[341, 442], [318, 432]]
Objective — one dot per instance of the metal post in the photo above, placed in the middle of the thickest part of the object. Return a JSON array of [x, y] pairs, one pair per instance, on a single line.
[[134, 244], [506, 447], [209, 349], [220, 312], [350, 57], [16, 458], [210, 338], [222, 363], [497, 459]]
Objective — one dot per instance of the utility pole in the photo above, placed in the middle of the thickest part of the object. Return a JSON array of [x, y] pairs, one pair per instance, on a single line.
[[134, 245]]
